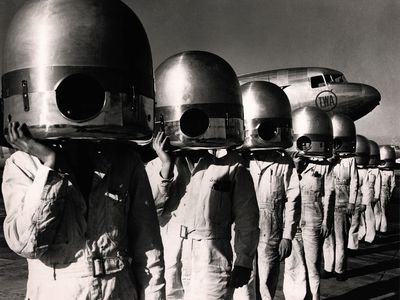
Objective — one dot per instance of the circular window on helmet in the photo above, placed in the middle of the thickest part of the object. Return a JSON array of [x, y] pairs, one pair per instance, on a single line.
[[80, 97], [266, 130], [194, 122], [337, 143], [303, 143]]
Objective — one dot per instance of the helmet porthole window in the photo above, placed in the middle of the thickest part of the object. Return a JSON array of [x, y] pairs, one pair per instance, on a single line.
[[304, 143], [266, 130], [194, 122], [337, 143], [80, 97]]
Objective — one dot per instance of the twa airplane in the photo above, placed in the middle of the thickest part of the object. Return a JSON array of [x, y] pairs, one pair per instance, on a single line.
[[324, 88]]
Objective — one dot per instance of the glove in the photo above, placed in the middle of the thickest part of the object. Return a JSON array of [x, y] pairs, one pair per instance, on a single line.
[[363, 207], [325, 232], [350, 208], [285, 248], [240, 276]]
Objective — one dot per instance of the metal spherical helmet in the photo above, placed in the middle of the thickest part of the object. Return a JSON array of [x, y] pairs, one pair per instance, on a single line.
[[362, 150], [79, 69], [344, 134], [374, 157], [313, 134], [267, 116], [388, 157], [198, 101]]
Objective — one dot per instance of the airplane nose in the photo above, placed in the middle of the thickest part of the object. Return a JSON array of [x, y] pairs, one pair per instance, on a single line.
[[371, 95]]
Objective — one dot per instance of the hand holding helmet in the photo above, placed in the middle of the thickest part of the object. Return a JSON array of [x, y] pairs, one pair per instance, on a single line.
[[159, 143], [21, 139]]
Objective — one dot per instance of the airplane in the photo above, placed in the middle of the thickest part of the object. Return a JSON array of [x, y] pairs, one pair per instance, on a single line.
[[324, 88]]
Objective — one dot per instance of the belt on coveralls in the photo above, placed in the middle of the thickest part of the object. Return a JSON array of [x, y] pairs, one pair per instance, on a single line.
[[307, 199], [271, 204], [204, 234], [95, 266]]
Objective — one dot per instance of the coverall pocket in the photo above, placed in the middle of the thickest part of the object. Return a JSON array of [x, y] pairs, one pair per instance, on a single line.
[[220, 202], [342, 194], [270, 226], [116, 212], [312, 214], [277, 187], [315, 185]]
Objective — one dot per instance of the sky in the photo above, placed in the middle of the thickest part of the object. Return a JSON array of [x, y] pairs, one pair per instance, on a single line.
[[360, 38]]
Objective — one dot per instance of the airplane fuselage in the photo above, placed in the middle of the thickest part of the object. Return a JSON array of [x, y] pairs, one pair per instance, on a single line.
[[324, 88]]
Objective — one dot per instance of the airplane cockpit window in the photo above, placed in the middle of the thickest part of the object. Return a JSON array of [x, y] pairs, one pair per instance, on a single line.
[[317, 81], [335, 78]]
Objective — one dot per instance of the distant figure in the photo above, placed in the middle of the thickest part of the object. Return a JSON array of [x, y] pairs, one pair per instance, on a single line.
[[374, 180], [302, 267], [346, 185], [268, 123], [386, 166], [365, 192]]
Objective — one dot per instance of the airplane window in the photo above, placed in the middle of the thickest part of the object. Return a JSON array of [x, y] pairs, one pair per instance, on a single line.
[[317, 81], [328, 79], [334, 78]]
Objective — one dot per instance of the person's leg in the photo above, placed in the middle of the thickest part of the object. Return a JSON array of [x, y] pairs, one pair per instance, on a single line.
[[354, 228], [384, 203], [268, 269], [295, 277], [328, 251], [312, 251], [172, 260], [370, 224], [341, 234]]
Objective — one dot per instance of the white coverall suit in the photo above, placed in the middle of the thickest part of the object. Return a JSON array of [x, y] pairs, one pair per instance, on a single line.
[[170, 223], [365, 194], [367, 224], [387, 185], [220, 192], [79, 249], [278, 194], [346, 184], [302, 267]]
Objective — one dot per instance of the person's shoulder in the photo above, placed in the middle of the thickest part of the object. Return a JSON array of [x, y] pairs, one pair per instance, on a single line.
[[125, 154], [233, 158], [21, 158], [284, 158]]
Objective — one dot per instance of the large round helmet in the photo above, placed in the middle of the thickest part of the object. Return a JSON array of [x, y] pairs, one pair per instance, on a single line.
[[79, 69], [344, 134], [374, 157], [362, 150], [198, 101], [312, 131], [388, 157], [267, 116]]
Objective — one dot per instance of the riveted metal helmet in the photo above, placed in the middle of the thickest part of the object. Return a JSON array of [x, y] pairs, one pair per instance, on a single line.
[[267, 116], [198, 101], [362, 150], [79, 69], [344, 134], [313, 134], [374, 157], [388, 157]]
